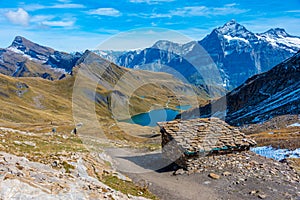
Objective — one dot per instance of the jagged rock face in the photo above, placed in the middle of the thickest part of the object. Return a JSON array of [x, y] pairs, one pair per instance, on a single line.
[[237, 53], [63, 60], [9, 61], [24, 58], [261, 97]]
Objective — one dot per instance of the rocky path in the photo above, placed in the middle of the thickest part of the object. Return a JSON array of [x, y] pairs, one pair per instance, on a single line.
[[236, 176], [146, 168]]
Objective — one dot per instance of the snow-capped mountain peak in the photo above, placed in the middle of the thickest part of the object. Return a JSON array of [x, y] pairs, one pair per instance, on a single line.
[[237, 52], [166, 45], [174, 48], [234, 29], [279, 37], [49, 63], [163, 43], [276, 32], [18, 43], [31, 49]]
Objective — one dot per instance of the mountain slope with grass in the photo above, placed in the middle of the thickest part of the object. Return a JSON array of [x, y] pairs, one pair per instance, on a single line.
[[38, 100], [260, 98], [37, 119]]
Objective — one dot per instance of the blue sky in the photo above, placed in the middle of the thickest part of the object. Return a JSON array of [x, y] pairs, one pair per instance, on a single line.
[[73, 25]]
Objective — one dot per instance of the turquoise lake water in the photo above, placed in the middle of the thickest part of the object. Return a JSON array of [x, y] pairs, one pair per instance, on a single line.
[[183, 107], [158, 115], [152, 117]]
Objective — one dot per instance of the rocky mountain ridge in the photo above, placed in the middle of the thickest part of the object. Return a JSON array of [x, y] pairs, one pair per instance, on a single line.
[[24, 58], [237, 53], [262, 97]]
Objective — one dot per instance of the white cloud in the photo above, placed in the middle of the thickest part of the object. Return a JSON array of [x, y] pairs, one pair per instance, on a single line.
[[293, 11], [207, 11], [150, 1], [105, 12], [20, 17], [192, 11], [153, 24], [158, 15], [58, 23], [68, 5], [41, 18], [34, 7], [65, 1], [230, 4]]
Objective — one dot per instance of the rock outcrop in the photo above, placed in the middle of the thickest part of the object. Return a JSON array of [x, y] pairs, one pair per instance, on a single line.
[[21, 178]]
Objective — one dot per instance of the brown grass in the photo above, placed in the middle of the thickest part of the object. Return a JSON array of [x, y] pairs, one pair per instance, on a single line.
[[50, 102], [295, 163], [286, 138]]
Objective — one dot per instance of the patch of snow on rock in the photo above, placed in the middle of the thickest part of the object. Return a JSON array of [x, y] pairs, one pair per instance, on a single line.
[[230, 38]]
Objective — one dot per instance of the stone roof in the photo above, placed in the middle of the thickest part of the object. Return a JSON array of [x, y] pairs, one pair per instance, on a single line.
[[205, 134]]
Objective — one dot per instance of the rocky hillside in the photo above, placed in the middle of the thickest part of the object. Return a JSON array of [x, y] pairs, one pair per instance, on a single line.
[[237, 52], [24, 58], [39, 163], [260, 98], [23, 179]]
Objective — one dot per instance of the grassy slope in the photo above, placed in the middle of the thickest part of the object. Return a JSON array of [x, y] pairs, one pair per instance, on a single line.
[[42, 101], [276, 132], [45, 102]]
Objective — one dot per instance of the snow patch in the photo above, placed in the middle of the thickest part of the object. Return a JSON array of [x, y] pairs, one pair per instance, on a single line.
[[277, 154], [291, 44], [13, 49], [294, 125], [225, 82], [289, 41], [56, 69], [230, 38], [226, 53], [275, 101]]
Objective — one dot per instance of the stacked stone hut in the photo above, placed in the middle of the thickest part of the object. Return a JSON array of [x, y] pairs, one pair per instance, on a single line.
[[184, 141]]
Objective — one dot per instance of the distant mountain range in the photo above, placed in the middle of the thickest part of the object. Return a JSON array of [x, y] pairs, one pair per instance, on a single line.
[[237, 53], [223, 59], [24, 58], [232, 50], [262, 97], [81, 79]]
